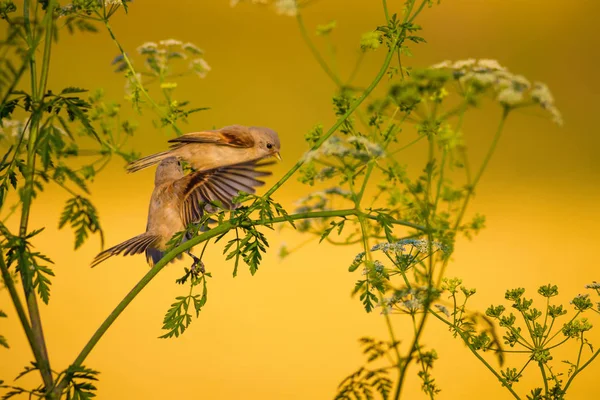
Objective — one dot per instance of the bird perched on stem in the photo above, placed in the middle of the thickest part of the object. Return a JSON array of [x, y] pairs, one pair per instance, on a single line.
[[178, 200], [206, 150]]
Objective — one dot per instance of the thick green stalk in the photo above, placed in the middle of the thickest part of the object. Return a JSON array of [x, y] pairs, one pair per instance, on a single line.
[[224, 227], [12, 290], [34, 314]]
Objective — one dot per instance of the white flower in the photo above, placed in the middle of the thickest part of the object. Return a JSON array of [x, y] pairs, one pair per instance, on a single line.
[[464, 63], [443, 309], [192, 48], [170, 42], [593, 285], [131, 83], [521, 82], [483, 78], [286, 7], [556, 115], [17, 128], [542, 95], [371, 147], [113, 2], [487, 64], [413, 304], [233, 3], [510, 96], [148, 48], [443, 64], [200, 66]]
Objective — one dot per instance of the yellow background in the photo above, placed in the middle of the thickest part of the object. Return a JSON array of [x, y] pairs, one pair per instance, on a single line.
[[291, 331]]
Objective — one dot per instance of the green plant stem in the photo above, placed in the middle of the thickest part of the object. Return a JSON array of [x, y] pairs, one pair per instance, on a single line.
[[30, 42], [385, 11], [466, 341], [315, 52], [412, 349], [30, 297], [543, 372], [486, 160], [578, 370], [223, 228], [155, 106], [10, 285], [388, 320], [340, 121]]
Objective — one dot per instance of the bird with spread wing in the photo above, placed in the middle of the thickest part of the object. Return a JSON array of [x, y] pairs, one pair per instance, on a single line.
[[179, 200]]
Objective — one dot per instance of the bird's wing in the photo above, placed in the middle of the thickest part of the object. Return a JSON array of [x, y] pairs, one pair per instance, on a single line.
[[234, 136], [135, 245], [199, 189]]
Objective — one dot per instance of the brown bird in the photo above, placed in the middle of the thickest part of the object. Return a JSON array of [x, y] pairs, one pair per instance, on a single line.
[[206, 150], [178, 200]]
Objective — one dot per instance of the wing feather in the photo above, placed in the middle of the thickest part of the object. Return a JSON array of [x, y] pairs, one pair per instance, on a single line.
[[234, 136], [220, 184]]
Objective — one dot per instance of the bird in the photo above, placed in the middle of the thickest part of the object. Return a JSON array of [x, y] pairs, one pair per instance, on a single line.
[[178, 200], [206, 150]]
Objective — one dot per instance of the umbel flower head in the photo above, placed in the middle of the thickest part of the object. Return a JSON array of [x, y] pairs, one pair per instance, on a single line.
[[510, 89], [159, 55], [282, 7]]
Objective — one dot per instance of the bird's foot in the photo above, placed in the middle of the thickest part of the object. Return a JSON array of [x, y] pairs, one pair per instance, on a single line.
[[197, 267]]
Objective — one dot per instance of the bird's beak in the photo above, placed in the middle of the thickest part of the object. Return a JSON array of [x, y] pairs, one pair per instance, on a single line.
[[278, 156]]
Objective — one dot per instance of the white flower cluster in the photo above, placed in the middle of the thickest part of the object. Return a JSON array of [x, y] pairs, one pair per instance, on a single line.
[[421, 245], [510, 89], [336, 147], [408, 301], [160, 53], [594, 285], [282, 7], [17, 128]]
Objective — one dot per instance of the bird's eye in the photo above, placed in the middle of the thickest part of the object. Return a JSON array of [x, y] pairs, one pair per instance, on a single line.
[[269, 146]]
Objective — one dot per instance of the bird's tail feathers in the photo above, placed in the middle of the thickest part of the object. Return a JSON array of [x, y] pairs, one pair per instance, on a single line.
[[154, 255], [147, 161], [135, 245]]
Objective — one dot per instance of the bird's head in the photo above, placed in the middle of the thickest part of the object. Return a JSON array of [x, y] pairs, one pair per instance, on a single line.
[[267, 141]]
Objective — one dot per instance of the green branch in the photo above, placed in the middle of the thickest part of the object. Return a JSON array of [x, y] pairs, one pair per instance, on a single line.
[[219, 230], [342, 119], [466, 341], [38, 342]]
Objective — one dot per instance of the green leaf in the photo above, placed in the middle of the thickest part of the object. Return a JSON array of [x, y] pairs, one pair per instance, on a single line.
[[82, 216], [72, 89]]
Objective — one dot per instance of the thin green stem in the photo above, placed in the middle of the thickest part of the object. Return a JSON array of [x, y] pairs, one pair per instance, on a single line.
[[30, 296], [486, 160], [316, 53], [155, 106], [30, 42], [408, 145], [476, 354], [423, 367], [48, 22], [578, 370], [543, 372], [339, 122], [385, 11]]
